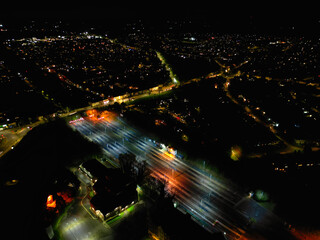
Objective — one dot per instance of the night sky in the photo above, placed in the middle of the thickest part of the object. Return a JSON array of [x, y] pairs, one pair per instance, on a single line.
[[226, 16]]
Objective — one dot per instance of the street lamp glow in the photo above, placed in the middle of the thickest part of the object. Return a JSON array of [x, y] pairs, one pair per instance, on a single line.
[[235, 153]]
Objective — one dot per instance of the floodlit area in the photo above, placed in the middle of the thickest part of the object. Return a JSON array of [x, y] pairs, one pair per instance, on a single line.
[[214, 204]]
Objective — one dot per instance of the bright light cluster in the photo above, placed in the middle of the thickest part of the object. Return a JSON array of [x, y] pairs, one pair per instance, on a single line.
[[77, 120]]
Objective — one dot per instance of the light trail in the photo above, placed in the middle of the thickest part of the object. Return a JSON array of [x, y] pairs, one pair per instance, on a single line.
[[190, 185], [210, 201]]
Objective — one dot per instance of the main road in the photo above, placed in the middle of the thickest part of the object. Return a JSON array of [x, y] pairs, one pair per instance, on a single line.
[[9, 138], [215, 204]]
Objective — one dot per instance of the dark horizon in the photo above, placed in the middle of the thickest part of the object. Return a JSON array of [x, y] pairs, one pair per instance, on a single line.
[[237, 18]]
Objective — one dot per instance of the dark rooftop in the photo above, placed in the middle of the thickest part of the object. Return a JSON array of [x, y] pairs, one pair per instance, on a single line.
[[113, 188]]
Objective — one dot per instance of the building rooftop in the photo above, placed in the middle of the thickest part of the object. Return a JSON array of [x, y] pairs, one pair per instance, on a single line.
[[113, 188]]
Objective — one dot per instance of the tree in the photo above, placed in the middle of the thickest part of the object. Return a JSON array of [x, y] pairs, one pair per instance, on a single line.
[[127, 161], [307, 148], [116, 107], [142, 171]]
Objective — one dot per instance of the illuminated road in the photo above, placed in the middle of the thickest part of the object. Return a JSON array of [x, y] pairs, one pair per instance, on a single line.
[[77, 222], [11, 137], [289, 147], [214, 204]]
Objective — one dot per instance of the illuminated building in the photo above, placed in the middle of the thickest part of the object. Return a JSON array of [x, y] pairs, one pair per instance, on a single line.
[[114, 190]]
